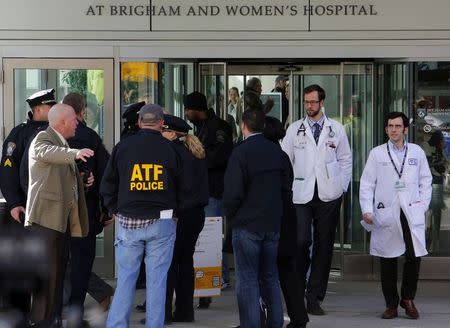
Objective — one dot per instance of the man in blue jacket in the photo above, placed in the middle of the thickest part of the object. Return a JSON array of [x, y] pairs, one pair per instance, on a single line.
[[254, 182]]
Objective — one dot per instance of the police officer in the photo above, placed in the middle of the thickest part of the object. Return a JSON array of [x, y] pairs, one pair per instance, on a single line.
[[190, 221], [15, 145], [83, 249], [216, 136], [130, 117], [141, 187]]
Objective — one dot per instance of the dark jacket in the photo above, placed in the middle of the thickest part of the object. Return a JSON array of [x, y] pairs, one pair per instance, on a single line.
[[216, 137], [252, 100], [85, 137], [15, 147], [195, 172], [255, 180], [142, 176]]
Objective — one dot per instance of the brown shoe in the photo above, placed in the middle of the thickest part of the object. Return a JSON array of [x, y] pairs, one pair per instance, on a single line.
[[390, 313], [410, 309]]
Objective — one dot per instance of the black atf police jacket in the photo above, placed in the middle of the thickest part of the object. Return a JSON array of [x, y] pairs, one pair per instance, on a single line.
[[143, 176]]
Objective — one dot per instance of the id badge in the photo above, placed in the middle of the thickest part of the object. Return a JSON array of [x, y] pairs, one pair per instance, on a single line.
[[400, 185]]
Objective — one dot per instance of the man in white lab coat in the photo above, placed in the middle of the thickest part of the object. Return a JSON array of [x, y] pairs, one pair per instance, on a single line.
[[394, 195], [322, 161]]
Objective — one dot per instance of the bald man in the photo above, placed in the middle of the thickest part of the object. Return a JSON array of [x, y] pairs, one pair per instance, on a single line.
[[56, 207]]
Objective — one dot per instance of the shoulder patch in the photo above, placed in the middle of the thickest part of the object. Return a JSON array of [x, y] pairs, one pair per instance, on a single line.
[[10, 148], [7, 163]]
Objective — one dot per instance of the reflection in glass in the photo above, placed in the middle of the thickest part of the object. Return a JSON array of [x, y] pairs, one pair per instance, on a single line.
[[357, 120], [88, 82], [432, 132], [212, 85]]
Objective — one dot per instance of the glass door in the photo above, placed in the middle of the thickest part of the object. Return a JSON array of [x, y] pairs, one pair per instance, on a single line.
[[213, 84], [177, 80], [92, 78], [357, 117]]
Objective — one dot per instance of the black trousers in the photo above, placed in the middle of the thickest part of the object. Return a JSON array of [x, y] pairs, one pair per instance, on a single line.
[[411, 267], [98, 288], [323, 217], [82, 256], [181, 272], [47, 304], [293, 290]]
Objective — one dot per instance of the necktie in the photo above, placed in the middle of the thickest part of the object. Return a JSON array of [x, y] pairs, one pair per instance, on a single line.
[[316, 132]]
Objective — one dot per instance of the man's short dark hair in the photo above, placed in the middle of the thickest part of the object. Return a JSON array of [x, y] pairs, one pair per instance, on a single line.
[[254, 119], [76, 101], [315, 87], [393, 115], [273, 129]]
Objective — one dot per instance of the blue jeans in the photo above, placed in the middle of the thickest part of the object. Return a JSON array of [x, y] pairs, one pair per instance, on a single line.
[[215, 208], [255, 260], [156, 241]]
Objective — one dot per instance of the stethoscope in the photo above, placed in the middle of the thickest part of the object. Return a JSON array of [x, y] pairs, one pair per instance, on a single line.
[[302, 128]]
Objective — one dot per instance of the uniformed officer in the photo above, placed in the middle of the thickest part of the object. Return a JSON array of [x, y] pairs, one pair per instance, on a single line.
[[216, 136], [15, 145], [130, 117], [190, 220]]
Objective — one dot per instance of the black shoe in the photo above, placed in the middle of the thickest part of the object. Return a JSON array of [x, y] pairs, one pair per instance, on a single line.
[[204, 302], [314, 308], [141, 307]]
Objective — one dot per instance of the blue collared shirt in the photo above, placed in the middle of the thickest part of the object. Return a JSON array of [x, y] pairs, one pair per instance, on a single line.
[[400, 153], [311, 123]]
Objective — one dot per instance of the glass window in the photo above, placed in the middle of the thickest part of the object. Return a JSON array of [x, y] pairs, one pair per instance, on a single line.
[[392, 95], [156, 83], [358, 123], [432, 133], [88, 82]]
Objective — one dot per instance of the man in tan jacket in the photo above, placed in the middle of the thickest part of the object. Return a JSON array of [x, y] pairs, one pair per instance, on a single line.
[[56, 207]]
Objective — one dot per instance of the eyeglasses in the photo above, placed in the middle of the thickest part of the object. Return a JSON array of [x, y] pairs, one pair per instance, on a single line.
[[310, 102]]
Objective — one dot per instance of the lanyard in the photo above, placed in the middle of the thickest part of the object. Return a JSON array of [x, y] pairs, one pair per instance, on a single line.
[[392, 161]]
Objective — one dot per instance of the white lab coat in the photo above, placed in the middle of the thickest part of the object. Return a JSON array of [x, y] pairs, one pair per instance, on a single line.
[[378, 195], [329, 162]]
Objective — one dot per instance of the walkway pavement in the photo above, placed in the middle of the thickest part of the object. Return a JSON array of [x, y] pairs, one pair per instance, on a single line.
[[348, 304]]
